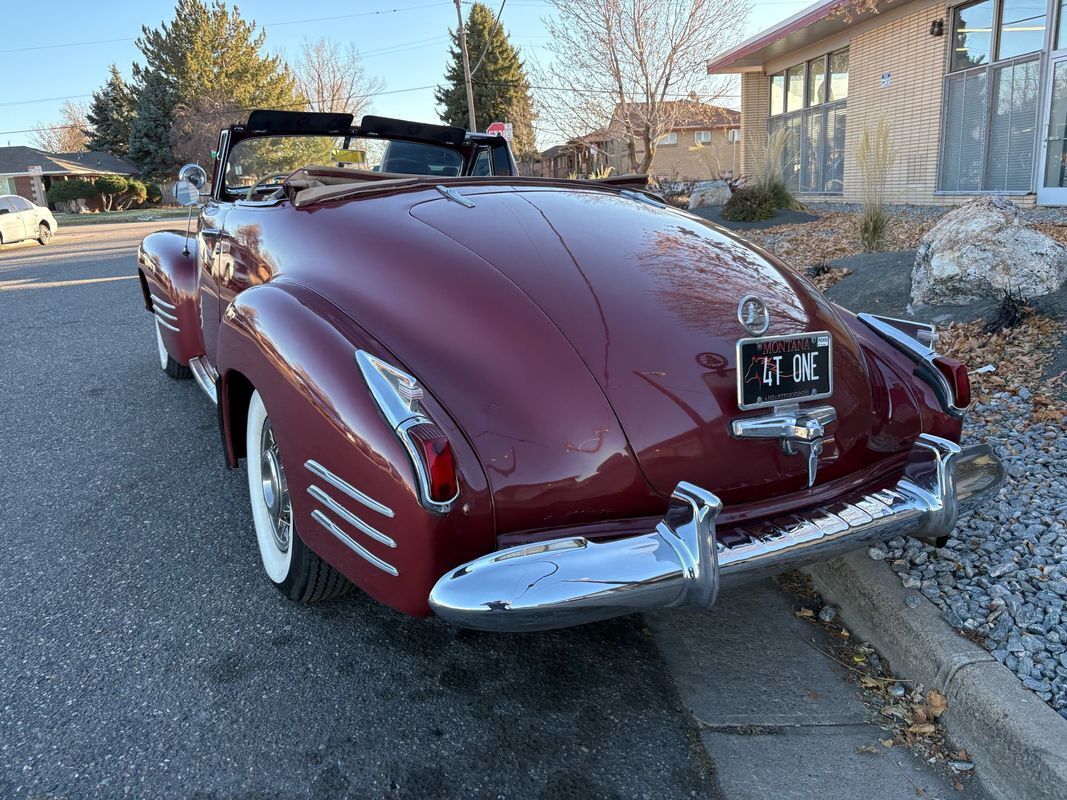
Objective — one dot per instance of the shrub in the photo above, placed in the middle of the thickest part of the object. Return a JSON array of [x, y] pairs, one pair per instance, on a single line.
[[70, 191], [109, 186], [1011, 313], [135, 194], [153, 194], [769, 180], [748, 205], [874, 158]]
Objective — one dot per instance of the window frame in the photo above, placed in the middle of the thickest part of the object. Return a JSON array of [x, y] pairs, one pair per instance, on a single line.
[[1048, 40], [1041, 55], [16, 200], [822, 106], [697, 137], [662, 141]]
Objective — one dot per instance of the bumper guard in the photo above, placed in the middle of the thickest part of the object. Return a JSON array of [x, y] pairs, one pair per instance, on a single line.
[[572, 581]]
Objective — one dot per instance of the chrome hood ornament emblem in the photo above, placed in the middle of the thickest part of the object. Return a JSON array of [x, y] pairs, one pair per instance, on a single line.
[[753, 315]]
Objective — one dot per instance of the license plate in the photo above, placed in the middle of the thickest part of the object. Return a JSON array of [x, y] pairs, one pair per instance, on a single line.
[[779, 369]]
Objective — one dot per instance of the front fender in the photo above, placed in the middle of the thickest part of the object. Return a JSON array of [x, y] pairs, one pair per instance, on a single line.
[[169, 281], [298, 352]]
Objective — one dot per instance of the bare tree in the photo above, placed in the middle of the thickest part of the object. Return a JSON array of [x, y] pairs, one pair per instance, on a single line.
[[636, 66], [333, 79], [67, 135]]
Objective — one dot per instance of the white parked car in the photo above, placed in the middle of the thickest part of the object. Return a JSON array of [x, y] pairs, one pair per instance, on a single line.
[[20, 219]]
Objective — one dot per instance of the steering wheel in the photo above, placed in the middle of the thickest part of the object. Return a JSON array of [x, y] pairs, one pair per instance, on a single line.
[[266, 181]]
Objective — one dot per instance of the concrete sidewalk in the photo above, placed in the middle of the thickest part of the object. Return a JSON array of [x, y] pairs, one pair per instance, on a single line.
[[777, 717]]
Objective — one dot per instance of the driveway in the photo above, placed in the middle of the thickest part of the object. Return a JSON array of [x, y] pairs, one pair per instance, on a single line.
[[145, 654]]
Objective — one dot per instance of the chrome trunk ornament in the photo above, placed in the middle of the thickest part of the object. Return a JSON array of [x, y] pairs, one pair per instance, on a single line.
[[799, 432]]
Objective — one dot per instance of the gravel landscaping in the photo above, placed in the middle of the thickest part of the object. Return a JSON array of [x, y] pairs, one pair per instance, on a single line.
[[1001, 579]]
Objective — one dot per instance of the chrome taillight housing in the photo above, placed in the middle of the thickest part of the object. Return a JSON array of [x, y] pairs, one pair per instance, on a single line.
[[399, 396], [947, 376]]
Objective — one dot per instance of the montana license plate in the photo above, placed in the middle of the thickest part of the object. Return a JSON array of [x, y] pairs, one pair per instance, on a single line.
[[778, 369]]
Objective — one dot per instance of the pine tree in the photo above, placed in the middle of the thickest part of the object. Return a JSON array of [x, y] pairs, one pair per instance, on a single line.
[[212, 64], [501, 89], [110, 116], [151, 130]]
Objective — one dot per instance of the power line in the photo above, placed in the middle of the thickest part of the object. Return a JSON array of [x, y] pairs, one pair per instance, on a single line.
[[264, 25]]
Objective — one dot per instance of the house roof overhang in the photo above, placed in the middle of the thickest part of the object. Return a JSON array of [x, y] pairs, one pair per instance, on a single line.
[[812, 24]]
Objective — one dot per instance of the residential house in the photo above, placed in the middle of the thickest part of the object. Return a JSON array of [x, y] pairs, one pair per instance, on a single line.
[[702, 142], [975, 95], [29, 172]]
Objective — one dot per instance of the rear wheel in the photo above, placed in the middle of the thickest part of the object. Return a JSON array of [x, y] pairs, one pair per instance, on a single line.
[[294, 569], [44, 233], [174, 369]]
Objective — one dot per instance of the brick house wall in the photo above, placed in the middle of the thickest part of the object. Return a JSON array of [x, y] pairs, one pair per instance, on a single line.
[[24, 188], [911, 104], [755, 111], [678, 160]]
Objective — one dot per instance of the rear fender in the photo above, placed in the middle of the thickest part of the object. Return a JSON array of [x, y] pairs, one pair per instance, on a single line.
[[298, 352], [169, 283]]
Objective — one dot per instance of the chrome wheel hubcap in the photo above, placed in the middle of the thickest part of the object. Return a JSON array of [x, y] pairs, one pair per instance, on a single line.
[[275, 489]]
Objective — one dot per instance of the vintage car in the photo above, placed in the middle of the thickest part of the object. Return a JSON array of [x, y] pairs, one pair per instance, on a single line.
[[525, 403]]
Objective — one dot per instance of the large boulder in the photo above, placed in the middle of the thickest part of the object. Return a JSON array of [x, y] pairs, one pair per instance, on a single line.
[[983, 249], [709, 193]]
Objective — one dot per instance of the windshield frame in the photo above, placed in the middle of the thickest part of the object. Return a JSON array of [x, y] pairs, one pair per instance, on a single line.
[[467, 144]]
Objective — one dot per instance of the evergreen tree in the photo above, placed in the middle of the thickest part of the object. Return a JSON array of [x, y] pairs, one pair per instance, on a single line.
[[152, 129], [110, 115], [501, 89], [207, 69]]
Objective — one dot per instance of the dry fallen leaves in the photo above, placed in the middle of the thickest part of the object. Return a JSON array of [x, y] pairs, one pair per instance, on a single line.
[[936, 703]]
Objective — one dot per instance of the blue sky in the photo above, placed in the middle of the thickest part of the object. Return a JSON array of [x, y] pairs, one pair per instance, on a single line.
[[403, 41]]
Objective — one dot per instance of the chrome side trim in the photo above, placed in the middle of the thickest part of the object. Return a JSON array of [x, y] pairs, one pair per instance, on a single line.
[[570, 581], [205, 377], [166, 324], [159, 302], [349, 517], [353, 545], [339, 483], [159, 312]]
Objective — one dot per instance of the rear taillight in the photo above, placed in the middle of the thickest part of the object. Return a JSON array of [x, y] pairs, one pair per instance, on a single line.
[[947, 376], [434, 450], [399, 396], [956, 374]]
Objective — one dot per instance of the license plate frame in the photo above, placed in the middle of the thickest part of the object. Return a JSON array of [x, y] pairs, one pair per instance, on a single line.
[[821, 342]]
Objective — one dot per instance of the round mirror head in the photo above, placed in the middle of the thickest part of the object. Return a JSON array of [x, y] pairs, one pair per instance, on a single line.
[[195, 174], [185, 193]]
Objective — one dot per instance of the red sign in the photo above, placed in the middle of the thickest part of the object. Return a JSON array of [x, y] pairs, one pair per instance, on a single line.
[[496, 128]]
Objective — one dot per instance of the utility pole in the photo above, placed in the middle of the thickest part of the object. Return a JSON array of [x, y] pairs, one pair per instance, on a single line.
[[466, 69]]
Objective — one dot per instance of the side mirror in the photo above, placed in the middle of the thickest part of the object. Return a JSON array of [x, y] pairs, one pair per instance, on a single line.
[[194, 174], [5, 210], [186, 194]]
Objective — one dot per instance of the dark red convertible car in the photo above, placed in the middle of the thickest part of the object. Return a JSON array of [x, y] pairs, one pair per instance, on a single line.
[[523, 403]]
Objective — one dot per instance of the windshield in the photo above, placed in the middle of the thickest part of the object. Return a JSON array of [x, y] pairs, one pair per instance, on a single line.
[[257, 160]]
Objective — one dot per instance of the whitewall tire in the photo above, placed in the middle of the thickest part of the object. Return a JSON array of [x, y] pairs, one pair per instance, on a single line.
[[295, 570], [174, 369]]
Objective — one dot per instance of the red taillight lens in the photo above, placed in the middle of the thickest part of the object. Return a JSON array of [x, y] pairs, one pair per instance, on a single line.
[[433, 447], [956, 375]]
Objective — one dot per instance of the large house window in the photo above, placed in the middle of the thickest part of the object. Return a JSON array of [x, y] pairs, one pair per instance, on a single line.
[[808, 103], [668, 138], [702, 137], [991, 96]]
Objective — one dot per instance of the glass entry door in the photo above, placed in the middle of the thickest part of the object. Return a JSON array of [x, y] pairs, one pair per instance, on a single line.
[[1052, 186]]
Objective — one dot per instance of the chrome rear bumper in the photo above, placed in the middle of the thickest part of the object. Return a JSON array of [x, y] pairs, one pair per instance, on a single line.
[[571, 581]]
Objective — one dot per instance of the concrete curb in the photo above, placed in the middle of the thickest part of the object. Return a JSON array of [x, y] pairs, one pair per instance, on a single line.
[[1019, 744]]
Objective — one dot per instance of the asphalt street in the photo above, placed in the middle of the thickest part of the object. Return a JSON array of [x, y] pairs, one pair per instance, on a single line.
[[144, 653]]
